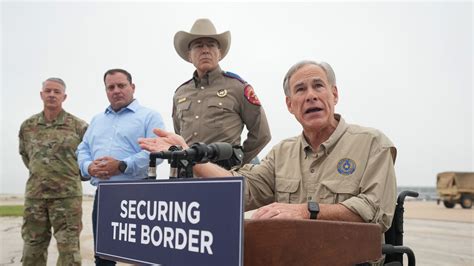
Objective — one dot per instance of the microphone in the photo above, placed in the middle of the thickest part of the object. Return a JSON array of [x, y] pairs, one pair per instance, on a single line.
[[199, 153], [186, 159]]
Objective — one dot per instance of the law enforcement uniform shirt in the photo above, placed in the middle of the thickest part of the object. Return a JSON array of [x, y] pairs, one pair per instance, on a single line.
[[354, 167], [48, 151], [216, 107]]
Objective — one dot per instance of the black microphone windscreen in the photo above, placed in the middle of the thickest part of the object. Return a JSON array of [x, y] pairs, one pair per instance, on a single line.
[[223, 151]]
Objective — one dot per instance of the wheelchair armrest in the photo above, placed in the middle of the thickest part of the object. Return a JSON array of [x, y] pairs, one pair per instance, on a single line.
[[401, 197], [391, 249]]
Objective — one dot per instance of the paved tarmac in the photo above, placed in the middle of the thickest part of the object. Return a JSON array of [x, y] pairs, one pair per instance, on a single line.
[[437, 235]]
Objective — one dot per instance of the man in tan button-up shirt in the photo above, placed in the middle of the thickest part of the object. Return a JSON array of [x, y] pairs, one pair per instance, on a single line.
[[215, 105], [347, 169]]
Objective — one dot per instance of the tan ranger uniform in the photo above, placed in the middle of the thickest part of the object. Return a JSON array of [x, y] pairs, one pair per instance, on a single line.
[[353, 167], [215, 109]]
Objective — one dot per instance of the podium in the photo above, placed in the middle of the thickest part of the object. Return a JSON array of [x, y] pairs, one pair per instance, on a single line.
[[310, 242], [171, 222], [201, 222]]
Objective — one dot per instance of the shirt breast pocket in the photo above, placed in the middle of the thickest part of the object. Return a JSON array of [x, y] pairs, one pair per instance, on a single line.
[[335, 191], [286, 190], [183, 112], [218, 112]]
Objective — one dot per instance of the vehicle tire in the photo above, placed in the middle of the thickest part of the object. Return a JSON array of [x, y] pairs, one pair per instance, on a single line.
[[448, 204], [466, 201]]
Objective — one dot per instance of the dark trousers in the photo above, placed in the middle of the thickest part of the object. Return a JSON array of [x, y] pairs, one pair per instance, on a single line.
[[98, 260]]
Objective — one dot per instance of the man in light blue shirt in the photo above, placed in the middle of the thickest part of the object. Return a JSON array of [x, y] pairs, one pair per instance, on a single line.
[[109, 149]]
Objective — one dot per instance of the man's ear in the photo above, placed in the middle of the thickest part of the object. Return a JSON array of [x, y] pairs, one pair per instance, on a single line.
[[65, 96], [133, 86], [189, 56], [288, 104], [335, 93]]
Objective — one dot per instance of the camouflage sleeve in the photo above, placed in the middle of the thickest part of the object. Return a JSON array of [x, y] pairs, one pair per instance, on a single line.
[[23, 153], [82, 129]]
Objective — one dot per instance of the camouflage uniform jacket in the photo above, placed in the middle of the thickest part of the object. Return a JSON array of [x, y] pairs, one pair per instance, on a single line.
[[48, 151]]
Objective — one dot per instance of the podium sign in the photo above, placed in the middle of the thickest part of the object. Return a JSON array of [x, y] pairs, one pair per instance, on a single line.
[[171, 222]]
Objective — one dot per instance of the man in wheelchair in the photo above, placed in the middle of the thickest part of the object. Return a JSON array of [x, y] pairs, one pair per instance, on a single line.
[[331, 171]]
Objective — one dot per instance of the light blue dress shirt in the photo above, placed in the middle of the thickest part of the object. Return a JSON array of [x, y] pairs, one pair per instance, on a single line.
[[116, 134]]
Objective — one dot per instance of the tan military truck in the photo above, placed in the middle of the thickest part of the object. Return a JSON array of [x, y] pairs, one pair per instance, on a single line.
[[455, 187]]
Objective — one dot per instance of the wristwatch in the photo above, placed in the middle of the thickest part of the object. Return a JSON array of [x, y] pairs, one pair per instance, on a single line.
[[122, 166], [313, 208]]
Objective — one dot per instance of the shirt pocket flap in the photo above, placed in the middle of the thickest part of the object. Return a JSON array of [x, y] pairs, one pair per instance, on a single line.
[[184, 106], [287, 185], [341, 186]]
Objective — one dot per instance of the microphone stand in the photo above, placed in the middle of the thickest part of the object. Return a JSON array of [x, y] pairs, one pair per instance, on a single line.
[[184, 167], [184, 161]]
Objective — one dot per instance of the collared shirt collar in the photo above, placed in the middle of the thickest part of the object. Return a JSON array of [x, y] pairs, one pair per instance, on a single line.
[[58, 121], [329, 144], [133, 106], [208, 78]]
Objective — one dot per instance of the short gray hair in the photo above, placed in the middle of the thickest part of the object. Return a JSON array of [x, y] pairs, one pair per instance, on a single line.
[[57, 80], [325, 66]]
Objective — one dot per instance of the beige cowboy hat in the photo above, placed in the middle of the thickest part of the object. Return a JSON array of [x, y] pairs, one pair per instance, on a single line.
[[201, 28]]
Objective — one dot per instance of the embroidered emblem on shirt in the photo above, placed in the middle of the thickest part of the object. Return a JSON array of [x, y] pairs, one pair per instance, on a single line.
[[182, 100], [222, 93], [251, 96], [346, 166]]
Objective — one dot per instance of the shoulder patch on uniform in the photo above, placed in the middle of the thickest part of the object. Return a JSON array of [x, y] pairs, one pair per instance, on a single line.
[[233, 76], [184, 83], [251, 96]]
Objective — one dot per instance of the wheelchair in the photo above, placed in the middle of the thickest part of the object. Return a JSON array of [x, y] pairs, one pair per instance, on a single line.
[[394, 249]]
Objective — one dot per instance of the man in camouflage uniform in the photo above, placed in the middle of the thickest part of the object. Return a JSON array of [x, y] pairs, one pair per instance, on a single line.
[[48, 142], [215, 105]]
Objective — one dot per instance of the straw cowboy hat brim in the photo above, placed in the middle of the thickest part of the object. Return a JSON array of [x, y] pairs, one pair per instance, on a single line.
[[202, 28]]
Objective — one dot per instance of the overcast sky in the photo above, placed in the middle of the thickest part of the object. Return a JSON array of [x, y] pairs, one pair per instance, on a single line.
[[403, 68]]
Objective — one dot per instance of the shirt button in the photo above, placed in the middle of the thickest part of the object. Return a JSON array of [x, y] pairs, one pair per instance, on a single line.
[[202, 88], [312, 170], [197, 117], [220, 103], [195, 134], [199, 101]]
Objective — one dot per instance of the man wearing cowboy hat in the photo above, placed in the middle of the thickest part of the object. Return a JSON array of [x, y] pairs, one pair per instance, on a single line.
[[214, 105]]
